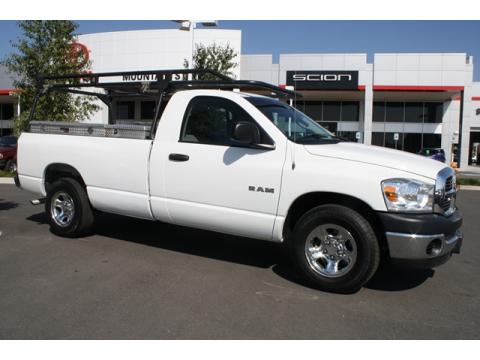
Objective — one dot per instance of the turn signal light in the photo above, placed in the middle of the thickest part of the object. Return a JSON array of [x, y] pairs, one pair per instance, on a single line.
[[391, 193]]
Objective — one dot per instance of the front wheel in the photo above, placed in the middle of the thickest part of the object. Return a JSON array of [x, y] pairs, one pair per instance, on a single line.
[[335, 248], [68, 208]]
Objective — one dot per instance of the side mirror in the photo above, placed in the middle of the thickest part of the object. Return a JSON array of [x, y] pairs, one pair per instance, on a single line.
[[246, 133]]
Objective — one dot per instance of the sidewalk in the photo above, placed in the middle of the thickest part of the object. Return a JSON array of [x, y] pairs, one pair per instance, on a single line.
[[469, 187], [6, 180], [470, 172]]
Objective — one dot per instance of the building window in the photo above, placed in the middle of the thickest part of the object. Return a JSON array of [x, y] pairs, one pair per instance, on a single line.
[[377, 138], [350, 111], [411, 112], [432, 140], [147, 110], [331, 110], [414, 112], [7, 111], [312, 109], [412, 142], [390, 141], [433, 112], [378, 112], [126, 110], [394, 112]]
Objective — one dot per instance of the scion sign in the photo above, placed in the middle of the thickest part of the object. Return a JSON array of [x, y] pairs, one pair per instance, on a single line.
[[323, 80]]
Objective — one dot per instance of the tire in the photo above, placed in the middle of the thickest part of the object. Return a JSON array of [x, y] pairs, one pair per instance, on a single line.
[[334, 248], [11, 166], [73, 215]]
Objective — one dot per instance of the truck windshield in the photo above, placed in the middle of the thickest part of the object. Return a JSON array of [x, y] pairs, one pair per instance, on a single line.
[[297, 126]]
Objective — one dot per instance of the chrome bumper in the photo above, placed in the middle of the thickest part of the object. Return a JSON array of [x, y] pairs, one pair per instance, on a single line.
[[422, 247]]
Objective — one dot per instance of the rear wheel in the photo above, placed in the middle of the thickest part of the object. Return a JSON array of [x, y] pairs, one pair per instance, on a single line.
[[335, 248], [68, 209]]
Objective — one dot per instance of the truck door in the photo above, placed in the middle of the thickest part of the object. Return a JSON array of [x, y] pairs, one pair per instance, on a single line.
[[211, 182]]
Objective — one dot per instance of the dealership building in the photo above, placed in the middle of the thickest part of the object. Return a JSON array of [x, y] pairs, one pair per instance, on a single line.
[[402, 101]]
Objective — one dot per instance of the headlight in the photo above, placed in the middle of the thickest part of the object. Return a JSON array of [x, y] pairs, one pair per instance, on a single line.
[[408, 195], [1, 156]]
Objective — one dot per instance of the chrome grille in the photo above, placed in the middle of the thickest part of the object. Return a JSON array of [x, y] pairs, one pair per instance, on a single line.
[[449, 184], [445, 192], [445, 204]]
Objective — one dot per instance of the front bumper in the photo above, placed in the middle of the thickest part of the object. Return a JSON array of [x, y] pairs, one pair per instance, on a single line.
[[424, 240]]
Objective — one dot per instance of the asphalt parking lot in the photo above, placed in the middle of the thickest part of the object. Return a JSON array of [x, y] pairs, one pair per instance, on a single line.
[[135, 279]]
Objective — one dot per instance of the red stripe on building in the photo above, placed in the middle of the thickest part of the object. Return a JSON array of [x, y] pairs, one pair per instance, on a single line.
[[7, 91], [476, 98], [416, 88], [360, 87]]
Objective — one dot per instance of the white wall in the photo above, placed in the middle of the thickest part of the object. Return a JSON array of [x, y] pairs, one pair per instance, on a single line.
[[152, 49], [422, 69], [259, 67]]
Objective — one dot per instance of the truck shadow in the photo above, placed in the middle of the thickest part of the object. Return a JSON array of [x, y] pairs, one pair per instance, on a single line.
[[397, 279], [191, 241], [386, 279], [233, 249], [7, 205]]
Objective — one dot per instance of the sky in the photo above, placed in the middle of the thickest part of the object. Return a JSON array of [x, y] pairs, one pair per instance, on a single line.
[[283, 37]]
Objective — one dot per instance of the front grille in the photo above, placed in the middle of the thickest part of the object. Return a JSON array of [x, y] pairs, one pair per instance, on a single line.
[[445, 192], [449, 184], [445, 203]]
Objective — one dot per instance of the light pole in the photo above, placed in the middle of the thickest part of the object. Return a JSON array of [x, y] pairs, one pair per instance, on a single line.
[[190, 25]]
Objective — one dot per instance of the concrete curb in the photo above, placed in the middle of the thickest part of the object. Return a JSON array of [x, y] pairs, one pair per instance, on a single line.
[[469, 187], [6, 180]]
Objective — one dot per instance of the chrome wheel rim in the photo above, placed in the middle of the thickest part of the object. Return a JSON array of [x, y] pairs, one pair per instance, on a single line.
[[331, 250], [62, 209]]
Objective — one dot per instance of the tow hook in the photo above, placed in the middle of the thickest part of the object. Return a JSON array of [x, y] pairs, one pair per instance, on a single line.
[[458, 245]]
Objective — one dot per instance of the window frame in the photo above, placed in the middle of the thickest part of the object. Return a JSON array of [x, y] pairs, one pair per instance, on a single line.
[[232, 143]]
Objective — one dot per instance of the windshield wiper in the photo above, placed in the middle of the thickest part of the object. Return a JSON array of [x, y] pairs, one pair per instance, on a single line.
[[317, 139], [340, 138]]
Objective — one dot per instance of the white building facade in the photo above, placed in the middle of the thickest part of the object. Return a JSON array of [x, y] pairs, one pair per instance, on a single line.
[[403, 101]]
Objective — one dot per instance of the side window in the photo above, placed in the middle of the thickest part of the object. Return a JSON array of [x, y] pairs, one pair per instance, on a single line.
[[211, 120]]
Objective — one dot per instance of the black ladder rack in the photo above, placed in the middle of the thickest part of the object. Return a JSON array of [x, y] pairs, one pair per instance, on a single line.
[[158, 84], [159, 80]]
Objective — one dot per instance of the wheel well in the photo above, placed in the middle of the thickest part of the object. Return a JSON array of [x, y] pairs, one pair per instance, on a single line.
[[53, 172], [308, 201]]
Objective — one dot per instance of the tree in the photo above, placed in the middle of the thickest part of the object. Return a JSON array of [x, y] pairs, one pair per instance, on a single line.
[[47, 48], [214, 57]]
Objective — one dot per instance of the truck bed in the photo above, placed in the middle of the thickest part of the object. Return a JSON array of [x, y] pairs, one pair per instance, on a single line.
[[114, 168]]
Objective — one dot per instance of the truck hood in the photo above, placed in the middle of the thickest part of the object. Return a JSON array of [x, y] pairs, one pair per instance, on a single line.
[[380, 156]]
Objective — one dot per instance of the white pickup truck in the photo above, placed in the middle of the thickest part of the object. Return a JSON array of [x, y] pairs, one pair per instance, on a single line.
[[252, 166]]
